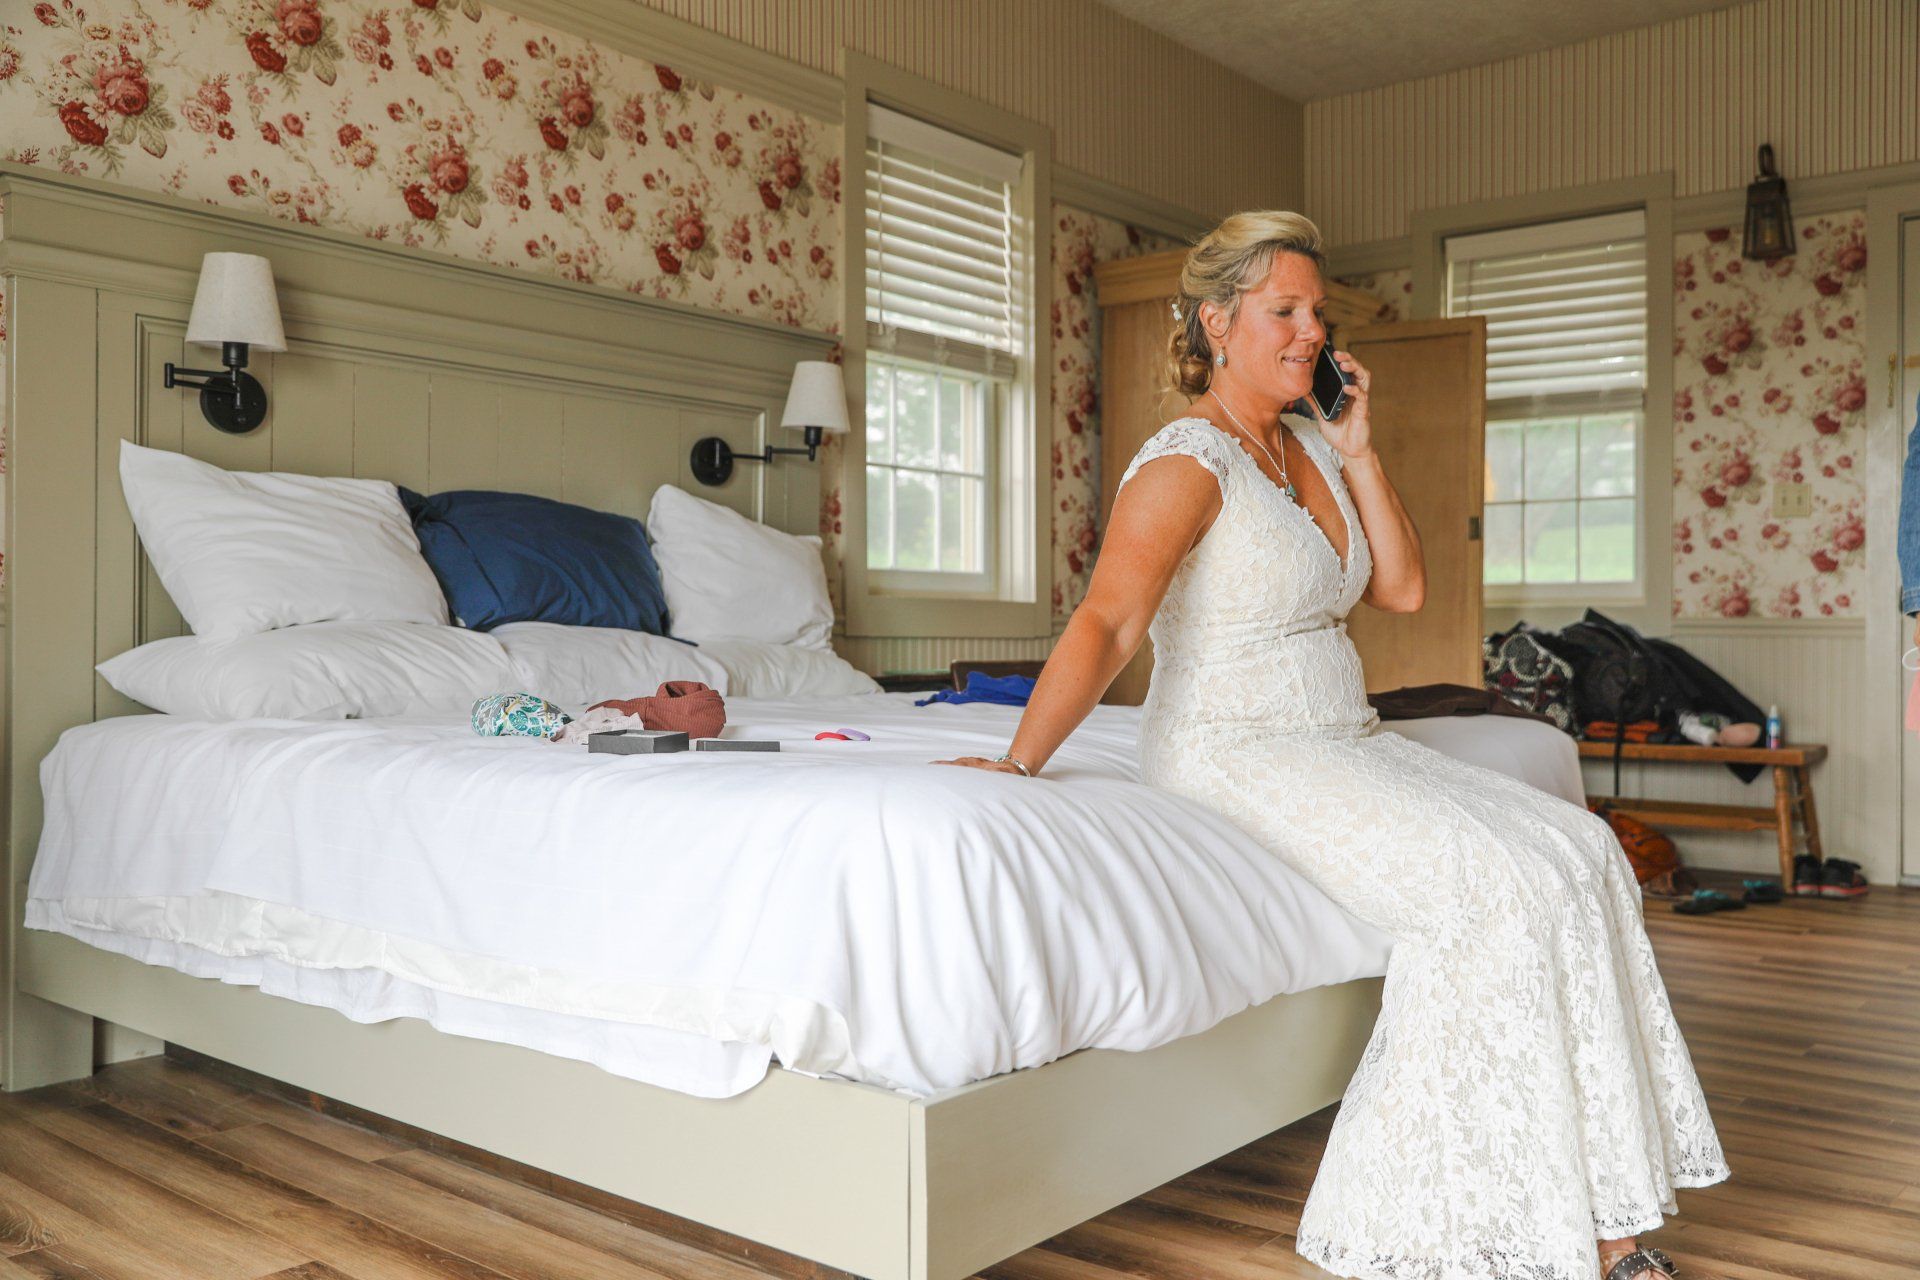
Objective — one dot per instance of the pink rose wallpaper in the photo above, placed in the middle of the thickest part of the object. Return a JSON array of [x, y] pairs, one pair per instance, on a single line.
[[1769, 387], [444, 124], [1394, 288], [1079, 241]]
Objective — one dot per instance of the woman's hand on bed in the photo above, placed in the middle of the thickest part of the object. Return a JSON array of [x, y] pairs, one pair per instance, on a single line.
[[981, 762]]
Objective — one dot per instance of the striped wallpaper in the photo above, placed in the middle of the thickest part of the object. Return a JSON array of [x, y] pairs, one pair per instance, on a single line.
[[1833, 84], [1126, 104]]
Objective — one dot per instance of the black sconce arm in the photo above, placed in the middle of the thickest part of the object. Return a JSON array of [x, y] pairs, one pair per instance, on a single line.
[[713, 457]]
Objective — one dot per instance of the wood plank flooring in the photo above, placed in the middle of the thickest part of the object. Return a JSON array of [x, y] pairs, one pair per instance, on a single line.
[[1803, 1017]]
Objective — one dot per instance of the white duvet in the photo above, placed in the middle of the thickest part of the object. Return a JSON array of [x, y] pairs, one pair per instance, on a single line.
[[687, 919]]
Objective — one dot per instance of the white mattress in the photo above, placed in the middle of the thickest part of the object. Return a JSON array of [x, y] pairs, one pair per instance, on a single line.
[[686, 919]]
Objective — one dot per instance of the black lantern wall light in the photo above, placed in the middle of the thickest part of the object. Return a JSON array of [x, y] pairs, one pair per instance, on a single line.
[[235, 309], [1769, 232]]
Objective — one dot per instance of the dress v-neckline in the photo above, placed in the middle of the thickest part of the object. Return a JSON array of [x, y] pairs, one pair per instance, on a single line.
[[1346, 521]]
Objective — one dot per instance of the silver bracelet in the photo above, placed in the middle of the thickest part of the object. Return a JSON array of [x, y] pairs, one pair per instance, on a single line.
[[1007, 757]]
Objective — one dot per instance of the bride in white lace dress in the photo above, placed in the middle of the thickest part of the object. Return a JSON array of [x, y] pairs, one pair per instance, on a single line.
[[1526, 1105]]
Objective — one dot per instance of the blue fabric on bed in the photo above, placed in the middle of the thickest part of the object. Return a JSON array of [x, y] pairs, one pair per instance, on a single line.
[[514, 557], [1008, 691]]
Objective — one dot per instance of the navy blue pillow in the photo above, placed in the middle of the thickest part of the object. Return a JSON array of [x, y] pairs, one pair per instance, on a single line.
[[512, 557]]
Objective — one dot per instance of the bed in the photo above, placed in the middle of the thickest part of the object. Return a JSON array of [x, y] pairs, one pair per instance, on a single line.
[[1153, 991], [688, 920]]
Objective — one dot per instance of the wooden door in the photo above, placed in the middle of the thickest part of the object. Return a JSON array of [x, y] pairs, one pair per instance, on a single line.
[[1429, 427]]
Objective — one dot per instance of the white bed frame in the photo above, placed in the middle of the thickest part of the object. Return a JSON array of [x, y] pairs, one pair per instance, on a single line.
[[596, 396]]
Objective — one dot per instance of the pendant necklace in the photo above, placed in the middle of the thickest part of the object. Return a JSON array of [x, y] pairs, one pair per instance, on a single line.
[[1286, 484]]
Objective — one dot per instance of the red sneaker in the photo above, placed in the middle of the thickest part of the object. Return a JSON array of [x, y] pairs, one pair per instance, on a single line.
[[1842, 879]]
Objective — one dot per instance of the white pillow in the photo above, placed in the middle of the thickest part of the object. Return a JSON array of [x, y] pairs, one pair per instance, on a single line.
[[728, 578], [242, 551], [579, 666], [320, 671], [757, 670]]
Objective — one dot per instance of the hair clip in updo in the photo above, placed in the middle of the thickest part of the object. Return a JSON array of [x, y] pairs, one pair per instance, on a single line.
[[1175, 308]]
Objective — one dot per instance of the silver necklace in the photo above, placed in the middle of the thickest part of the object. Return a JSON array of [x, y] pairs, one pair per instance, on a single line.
[[1279, 464]]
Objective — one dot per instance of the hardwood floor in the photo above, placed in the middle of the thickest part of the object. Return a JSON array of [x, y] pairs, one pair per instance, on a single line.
[[1804, 1019]]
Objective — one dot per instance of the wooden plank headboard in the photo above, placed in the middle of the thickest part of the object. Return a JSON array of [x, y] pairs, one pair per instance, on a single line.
[[403, 365]]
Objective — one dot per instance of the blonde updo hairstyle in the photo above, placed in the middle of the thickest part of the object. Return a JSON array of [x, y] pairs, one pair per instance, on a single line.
[[1229, 260]]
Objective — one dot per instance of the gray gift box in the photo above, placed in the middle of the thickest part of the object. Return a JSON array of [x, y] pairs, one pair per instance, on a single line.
[[735, 744], [637, 742]]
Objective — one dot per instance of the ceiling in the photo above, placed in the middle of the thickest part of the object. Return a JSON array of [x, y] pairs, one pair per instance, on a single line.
[[1307, 49]]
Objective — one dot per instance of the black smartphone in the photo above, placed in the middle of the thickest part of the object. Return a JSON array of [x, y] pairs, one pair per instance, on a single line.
[[1330, 383]]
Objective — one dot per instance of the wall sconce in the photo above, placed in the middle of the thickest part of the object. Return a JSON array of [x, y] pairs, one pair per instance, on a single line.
[[816, 403], [234, 308], [1769, 233]]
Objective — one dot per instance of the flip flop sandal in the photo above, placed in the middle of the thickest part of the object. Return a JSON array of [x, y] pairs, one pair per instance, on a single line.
[[1706, 902], [1643, 1261], [1761, 891]]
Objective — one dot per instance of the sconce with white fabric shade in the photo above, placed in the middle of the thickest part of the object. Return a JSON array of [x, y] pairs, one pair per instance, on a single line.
[[235, 308], [817, 399], [816, 405]]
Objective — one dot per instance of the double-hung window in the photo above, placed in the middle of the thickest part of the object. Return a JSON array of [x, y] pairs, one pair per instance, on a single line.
[[1566, 310], [943, 276]]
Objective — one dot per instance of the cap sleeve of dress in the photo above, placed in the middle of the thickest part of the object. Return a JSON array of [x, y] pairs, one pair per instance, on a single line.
[[1194, 438]]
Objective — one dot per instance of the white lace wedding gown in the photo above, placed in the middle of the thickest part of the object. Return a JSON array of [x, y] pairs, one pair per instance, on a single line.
[[1525, 1090]]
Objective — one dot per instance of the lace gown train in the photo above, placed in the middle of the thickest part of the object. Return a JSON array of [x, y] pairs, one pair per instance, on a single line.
[[1525, 1090]]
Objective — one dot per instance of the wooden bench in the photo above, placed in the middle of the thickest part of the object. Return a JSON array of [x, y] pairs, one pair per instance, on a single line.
[[1792, 792]]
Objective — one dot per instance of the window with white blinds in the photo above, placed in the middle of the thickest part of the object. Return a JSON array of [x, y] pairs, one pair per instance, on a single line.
[[945, 329], [940, 236], [1565, 302], [1566, 311]]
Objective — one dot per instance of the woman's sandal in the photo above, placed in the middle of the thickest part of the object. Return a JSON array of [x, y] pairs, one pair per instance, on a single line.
[[1643, 1261]]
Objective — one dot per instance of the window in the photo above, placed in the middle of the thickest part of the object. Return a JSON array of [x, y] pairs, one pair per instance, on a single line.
[[944, 332], [927, 473], [1566, 310]]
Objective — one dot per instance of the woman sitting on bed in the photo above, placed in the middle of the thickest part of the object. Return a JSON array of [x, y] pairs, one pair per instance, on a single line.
[[1526, 1092]]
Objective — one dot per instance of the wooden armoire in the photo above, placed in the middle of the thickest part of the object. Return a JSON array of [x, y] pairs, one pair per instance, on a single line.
[[1429, 426]]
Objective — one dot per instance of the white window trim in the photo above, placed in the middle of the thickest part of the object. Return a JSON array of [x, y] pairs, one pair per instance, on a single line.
[[1650, 609], [1021, 605]]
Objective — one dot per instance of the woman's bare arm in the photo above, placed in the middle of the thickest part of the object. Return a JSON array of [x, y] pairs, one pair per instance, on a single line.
[[1399, 582], [1157, 518]]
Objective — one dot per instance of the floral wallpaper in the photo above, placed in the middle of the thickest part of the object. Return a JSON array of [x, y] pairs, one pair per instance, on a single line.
[[1394, 288], [439, 123], [1769, 387], [1080, 240], [454, 126]]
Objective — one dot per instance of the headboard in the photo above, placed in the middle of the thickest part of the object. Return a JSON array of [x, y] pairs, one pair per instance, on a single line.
[[401, 364]]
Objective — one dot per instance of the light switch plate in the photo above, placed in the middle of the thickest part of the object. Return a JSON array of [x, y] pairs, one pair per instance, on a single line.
[[1792, 498]]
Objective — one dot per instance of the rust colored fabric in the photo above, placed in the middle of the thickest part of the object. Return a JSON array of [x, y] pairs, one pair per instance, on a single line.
[[685, 706], [1635, 731], [1650, 851]]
